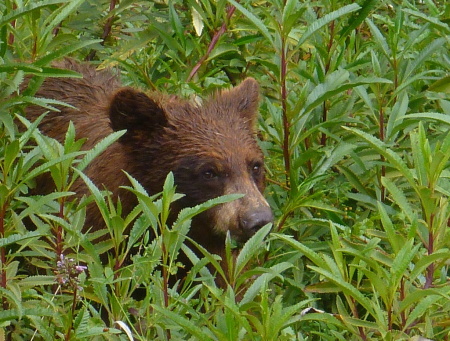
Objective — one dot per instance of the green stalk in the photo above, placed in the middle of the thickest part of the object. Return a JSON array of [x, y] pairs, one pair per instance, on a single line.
[[286, 123], [3, 278], [212, 45]]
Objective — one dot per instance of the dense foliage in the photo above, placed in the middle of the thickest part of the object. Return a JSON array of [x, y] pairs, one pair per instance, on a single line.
[[355, 119]]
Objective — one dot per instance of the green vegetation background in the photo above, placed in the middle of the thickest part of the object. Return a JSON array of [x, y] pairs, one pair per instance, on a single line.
[[355, 118]]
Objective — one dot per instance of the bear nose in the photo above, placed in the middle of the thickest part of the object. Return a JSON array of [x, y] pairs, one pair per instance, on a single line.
[[253, 221]]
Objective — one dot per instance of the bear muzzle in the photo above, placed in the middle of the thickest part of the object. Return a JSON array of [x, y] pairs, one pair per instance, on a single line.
[[253, 220]]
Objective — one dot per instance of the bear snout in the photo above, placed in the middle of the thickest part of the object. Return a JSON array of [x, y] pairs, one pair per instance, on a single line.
[[253, 220]]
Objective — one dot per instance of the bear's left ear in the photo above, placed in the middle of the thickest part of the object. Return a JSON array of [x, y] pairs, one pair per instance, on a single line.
[[245, 99], [136, 112]]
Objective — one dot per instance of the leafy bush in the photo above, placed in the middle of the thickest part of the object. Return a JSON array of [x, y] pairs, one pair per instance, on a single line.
[[355, 126]]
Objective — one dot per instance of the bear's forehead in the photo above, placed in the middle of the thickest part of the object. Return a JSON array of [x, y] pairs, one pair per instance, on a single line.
[[220, 145], [199, 125], [210, 114], [230, 145], [212, 131], [219, 135]]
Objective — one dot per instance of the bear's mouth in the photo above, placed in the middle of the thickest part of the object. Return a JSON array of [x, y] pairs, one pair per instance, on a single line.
[[242, 235]]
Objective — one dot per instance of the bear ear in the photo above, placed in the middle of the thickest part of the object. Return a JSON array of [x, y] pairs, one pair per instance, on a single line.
[[136, 112], [245, 99]]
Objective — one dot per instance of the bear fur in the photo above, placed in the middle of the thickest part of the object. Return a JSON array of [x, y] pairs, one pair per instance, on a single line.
[[211, 149]]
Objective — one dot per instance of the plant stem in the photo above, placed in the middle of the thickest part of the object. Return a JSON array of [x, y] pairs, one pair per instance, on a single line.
[[356, 315], [309, 162], [212, 44], [74, 304], [59, 231], [106, 29], [286, 123], [282, 222], [3, 278], [165, 283], [13, 25], [323, 140], [389, 316], [108, 26], [430, 249], [402, 298], [382, 138]]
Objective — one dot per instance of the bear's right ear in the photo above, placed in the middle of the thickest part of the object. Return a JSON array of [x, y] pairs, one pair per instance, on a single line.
[[244, 99], [136, 112]]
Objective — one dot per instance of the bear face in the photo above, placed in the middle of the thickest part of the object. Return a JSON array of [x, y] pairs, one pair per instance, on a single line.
[[211, 149]]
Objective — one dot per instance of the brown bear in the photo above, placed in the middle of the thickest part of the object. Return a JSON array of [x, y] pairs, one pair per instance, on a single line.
[[211, 149]]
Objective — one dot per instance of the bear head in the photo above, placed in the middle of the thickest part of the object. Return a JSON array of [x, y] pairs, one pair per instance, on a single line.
[[210, 148]]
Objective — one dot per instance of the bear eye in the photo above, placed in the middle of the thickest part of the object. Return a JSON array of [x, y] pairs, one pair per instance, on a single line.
[[209, 174], [256, 168]]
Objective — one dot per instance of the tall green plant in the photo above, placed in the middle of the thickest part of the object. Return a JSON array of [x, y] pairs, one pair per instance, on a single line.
[[354, 125]]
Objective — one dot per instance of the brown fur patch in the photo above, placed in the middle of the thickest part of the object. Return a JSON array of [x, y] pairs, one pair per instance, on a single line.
[[211, 148]]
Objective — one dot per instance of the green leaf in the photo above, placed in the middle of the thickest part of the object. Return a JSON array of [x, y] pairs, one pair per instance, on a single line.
[[441, 85], [429, 18], [353, 178], [176, 23], [11, 153], [429, 115], [311, 254], [422, 155], [400, 199], [98, 197], [47, 165], [346, 288], [335, 83], [357, 18], [379, 39], [251, 248], [390, 155], [97, 331], [34, 281], [22, 11], [271, 273], [81, 321], [16, 314], [168, 39], [41, 201], [325, 20], [46, 103], [188, 325], [140, 226], [190, 212], [417, 295], [401, 263], [64, 51], [425, 260], [425, 53], [59, 15], [98, 149], [221, 50], [14, 67], [255, 21], [393, 238], [210, 257], [423, 307], [330, 159], [291, 15], [397, 115], [16, 238]]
